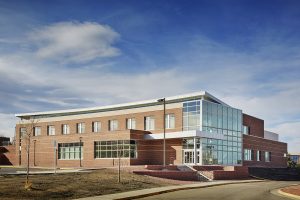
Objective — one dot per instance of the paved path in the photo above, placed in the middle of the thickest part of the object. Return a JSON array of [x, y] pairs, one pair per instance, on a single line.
[[149, 192], [242, 191]]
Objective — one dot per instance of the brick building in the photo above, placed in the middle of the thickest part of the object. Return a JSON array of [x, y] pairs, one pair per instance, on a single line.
[[199, 130]]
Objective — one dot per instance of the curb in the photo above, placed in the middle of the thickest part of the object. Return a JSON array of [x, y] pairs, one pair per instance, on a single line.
[[292, 196], [179, 188]]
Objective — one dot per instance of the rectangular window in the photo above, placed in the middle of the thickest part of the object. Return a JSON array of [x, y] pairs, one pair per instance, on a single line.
[[51, 130], [170, 121], [246, 130], [248, 154], [23, 131], [80, 128], [267, 156], [37, 131], [115, 149], [258, 155], [130, 123], [113, 125], [65, 129], [149, 123], [70, 151], [96, 127]]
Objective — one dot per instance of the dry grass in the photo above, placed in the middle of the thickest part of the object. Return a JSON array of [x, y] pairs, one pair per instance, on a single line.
[[73, 185]]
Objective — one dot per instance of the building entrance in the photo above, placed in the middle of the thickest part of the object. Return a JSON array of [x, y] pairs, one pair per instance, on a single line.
[[189, 157]]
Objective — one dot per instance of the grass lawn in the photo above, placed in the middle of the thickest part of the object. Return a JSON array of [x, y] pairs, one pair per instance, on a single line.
[[73, 185]]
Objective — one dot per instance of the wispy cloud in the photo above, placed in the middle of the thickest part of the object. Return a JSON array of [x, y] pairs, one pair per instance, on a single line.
[[263, 82], [74, 41]]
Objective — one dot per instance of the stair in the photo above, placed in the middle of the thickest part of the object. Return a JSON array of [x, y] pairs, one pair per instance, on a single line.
[[200, 176]]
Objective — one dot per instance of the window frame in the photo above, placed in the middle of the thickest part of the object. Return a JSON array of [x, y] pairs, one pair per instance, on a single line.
[[50, 130], [168, 121], [96, 129]]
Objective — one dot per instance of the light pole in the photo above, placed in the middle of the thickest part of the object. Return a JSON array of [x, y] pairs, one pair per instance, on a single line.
[[164, 141], [80, 138], [34, 144]]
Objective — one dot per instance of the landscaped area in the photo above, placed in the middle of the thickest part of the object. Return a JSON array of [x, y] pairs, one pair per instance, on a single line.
[[74, 185]]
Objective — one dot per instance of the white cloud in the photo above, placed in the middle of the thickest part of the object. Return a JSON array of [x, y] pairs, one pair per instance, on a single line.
[[290, 133], [74, 41], [7, 124], [230, 75]]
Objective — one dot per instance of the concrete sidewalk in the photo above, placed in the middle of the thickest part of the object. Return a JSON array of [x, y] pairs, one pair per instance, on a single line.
[[154, 191], [11, 170]]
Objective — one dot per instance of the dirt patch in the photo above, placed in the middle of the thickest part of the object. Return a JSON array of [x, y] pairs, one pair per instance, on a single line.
[[295, 190], [74, 185]]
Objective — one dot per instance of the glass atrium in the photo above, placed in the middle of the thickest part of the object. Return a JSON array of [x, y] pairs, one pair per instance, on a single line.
[[212, 118]]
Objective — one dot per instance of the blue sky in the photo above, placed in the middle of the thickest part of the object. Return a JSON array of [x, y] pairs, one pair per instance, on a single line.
[[71, 54]]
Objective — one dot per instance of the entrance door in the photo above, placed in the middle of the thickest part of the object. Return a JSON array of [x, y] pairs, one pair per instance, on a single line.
[[189, 156]]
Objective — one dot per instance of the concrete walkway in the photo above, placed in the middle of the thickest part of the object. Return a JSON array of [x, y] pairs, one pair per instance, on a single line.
[[11, 170], [160, 190]]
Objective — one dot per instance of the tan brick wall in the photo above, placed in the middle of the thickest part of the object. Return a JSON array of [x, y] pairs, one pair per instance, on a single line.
[[149, 152]]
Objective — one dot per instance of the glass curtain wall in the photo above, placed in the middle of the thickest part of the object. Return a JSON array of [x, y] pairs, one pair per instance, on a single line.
[[216, 118], [225, 120]]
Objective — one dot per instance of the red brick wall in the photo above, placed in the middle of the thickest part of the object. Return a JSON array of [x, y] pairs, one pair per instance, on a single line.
[[8, 155], [277, 149], [256, 125], [177, 175], [240, 172]]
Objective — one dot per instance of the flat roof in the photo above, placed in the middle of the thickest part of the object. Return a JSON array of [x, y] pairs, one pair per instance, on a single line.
[[172, 99]]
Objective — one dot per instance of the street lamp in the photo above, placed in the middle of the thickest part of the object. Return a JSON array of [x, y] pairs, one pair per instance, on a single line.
[[80, 138], [164, 118]]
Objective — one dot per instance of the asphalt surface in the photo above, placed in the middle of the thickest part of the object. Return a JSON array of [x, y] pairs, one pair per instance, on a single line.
[[243, 191]]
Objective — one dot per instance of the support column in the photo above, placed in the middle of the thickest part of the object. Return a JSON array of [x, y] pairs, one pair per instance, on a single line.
[[200, 153], [195, 150]]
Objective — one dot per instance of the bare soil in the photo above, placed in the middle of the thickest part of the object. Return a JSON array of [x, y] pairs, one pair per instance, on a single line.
[[74, 185], [295, 190]]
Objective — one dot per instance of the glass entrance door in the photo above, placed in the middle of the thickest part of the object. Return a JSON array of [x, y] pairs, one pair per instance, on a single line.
[[188, 157]]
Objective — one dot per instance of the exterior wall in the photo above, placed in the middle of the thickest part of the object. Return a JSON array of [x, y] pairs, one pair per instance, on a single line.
[[149, 152], [277, 149], [256, 125], [8, 155], [152, 152]]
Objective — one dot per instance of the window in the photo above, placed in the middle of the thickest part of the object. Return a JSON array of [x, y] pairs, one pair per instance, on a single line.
[[248, 154], [80, 128], [115, 149], [37, 131], [170, 121], [113, 125], [65, 129], [96, 127], [267, 156], [130, 123], [70, 151], [51, 130], [149, 123], [246, 130], [258, 155], [23, 131]]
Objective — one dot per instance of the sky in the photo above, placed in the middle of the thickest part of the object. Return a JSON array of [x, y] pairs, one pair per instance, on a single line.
[[73, 54]]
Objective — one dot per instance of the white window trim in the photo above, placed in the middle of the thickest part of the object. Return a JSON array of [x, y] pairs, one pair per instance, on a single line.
[[148, 120], [130, 123], [97, 128], [113, 125], [167, 120], [51, 130], [65, 129], [80, 127]]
